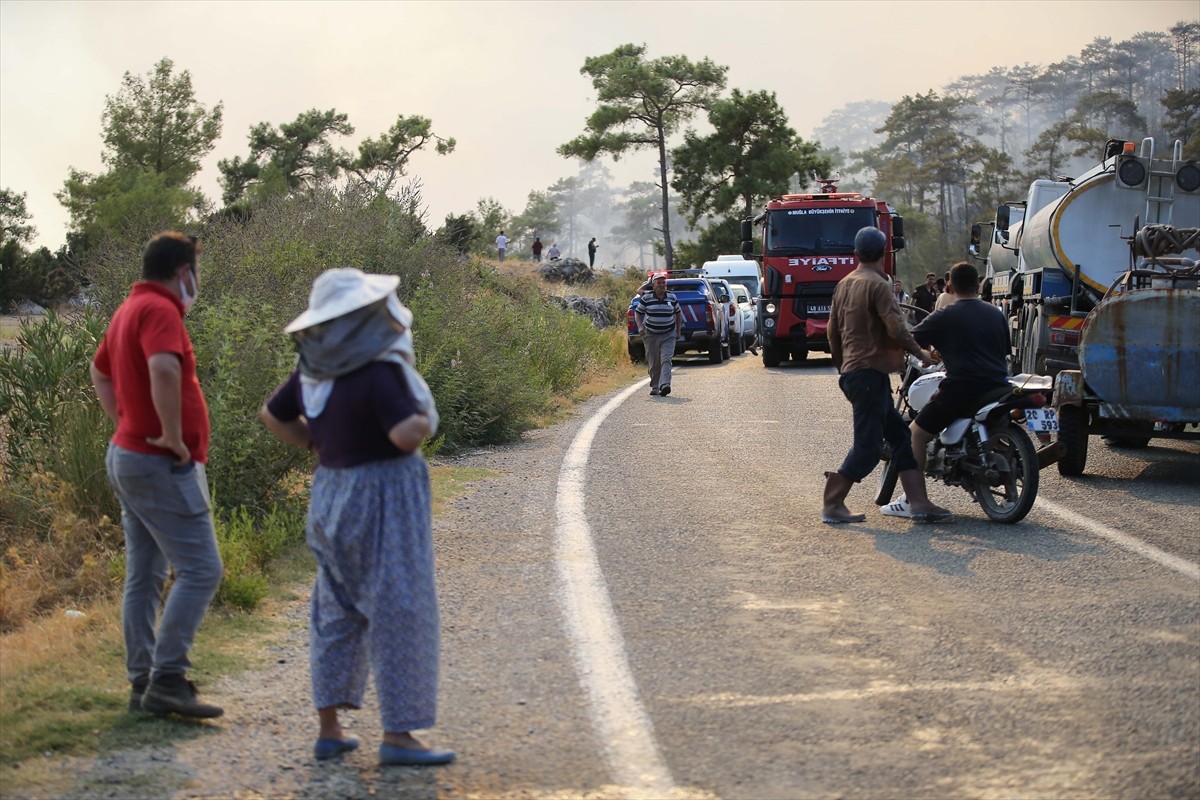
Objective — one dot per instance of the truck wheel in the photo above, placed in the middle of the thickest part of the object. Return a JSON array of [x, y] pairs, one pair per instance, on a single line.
[[714, 352], [1029, 341], [1073, 437], [725, 351], [771, 355], [735, 345], [637, 353]]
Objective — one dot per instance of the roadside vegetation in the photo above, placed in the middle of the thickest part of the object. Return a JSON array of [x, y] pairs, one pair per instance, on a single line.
[[500, 356]]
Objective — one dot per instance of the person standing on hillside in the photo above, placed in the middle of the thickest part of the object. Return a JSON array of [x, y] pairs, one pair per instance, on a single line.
[[592, 248], [660, 319], [358, 400], [867, 337], [537, 248], [553, 252], [501, 245], [144, 374]]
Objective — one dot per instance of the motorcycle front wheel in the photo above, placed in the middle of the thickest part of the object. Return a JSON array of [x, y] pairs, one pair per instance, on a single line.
[[1013, 459]]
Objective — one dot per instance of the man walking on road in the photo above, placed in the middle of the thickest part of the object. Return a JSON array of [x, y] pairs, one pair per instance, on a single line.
[[867, 336], [660, 319], [144, 373]]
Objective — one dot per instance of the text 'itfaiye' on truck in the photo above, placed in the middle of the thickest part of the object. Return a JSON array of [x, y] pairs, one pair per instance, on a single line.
[[808, 246], [1099, 277]]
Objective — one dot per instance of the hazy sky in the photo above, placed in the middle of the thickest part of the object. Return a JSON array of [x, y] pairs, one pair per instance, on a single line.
[[502, 77]]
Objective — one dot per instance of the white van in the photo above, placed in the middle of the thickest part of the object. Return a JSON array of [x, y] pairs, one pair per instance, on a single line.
[[737, 269]]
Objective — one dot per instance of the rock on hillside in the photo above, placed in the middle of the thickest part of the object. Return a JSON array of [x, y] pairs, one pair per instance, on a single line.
[[594, 308], [567, 270]]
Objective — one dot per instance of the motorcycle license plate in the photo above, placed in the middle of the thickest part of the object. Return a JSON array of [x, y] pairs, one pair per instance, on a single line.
[[1044, 420]]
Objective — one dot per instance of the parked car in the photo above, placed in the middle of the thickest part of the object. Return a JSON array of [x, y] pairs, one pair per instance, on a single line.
[[732, 314], [705, 326], [749, 308]]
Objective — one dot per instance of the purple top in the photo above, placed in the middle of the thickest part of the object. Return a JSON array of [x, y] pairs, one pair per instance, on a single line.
[[363, 406]]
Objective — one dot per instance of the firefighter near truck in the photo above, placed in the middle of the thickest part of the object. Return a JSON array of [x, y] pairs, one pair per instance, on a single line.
[[808, 246], [1104, 295]]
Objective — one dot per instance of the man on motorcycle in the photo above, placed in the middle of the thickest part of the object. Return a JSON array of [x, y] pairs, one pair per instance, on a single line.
[[973, 340]]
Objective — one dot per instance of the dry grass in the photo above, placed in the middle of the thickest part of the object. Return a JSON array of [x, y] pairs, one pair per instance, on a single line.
[[45, 563]]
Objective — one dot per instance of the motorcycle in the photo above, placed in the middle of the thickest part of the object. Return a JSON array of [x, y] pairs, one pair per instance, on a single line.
[[990, 454]]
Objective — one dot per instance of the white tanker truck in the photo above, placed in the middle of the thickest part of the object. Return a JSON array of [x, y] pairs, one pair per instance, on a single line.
[[1105, 297]]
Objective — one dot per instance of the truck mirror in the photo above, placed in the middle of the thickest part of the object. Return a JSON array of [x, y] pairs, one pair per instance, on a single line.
[[747, 247], [747, 230], [973, 249], [976, 235], [898, 228], [1002, 219], [897, 242]]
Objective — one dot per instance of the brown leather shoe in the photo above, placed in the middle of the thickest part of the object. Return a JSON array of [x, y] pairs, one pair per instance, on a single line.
[[174, 694]]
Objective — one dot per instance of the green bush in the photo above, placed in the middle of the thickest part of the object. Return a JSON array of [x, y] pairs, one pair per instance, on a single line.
[[494, 351], [239, 363], [248, 543], [52, 421]]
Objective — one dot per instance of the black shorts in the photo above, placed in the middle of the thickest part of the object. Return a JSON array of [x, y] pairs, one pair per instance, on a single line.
[[953, 400]]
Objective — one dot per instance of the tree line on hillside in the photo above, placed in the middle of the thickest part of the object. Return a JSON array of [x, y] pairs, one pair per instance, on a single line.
[[944, 159], [948, 158]]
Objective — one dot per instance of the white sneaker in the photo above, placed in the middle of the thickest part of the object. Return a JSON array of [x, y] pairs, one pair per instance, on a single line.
[[899, 508]]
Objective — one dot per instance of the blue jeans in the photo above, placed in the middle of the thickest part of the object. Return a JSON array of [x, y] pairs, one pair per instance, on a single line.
[[875, 420], [166, 514]]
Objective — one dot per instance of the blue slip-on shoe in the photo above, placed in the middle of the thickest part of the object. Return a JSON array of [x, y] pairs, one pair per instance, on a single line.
[[391, 755], [326, 749]]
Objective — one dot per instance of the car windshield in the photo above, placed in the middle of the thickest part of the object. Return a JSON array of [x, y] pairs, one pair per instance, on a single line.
[[816, 231], [750, 282]]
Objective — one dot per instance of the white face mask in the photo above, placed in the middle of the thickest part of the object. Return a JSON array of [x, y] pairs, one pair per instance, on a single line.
[[186, 295]]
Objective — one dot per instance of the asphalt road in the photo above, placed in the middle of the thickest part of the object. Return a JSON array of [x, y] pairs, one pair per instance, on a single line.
[[719, 641]]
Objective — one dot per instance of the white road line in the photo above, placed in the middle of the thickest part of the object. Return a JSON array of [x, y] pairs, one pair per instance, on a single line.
[[1180, 565], [636, 765]]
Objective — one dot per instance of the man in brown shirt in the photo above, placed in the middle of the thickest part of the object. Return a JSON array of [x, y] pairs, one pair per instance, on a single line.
[[867, 339]]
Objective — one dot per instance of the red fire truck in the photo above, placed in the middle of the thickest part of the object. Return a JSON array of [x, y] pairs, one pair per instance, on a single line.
[[808, 246]]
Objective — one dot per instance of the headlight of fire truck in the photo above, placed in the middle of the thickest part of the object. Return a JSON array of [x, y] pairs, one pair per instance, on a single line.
[[770, 308]]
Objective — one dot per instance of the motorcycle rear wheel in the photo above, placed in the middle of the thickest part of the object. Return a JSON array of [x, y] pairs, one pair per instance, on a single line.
[[1012, 497]]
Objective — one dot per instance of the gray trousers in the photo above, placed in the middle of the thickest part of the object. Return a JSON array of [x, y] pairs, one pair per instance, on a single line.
[[166, 514], [660, 349]]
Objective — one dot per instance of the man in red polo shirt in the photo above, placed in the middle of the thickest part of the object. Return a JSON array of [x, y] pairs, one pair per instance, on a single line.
[[144, 373]]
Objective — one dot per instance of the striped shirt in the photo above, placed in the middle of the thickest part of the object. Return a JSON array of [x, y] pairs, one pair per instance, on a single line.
[[659, 313]]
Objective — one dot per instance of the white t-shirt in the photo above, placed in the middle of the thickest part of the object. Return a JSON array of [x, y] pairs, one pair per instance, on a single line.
[[501, 242]]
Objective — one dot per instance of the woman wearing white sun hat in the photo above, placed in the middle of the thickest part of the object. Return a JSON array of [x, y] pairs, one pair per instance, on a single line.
[[357, 400]]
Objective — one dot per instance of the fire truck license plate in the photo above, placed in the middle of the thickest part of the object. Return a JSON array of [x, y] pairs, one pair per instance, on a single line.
[[1041, 419]]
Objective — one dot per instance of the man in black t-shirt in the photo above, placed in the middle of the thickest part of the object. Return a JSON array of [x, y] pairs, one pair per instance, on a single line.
[[925, 295], [973, 340]]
